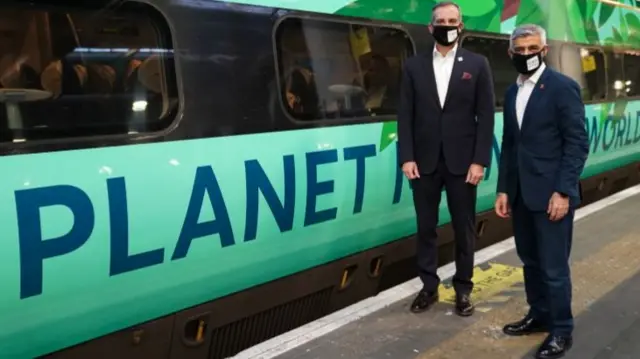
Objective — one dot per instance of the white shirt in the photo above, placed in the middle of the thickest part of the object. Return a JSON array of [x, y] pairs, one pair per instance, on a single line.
[[442, 67], [525, 88]]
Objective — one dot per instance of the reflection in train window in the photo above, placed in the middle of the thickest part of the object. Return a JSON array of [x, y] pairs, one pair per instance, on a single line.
[[615, 73], [72, 74], [631, 73], [587, 67], [331, 70], [496, 50]]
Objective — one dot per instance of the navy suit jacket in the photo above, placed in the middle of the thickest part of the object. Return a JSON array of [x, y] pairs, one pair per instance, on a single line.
[[549, 152], [462, 129]]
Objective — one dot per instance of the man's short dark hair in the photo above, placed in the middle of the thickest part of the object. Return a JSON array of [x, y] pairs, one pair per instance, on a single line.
[[443, 4]]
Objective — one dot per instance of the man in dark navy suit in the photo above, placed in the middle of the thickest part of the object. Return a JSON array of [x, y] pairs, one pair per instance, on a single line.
[[445, 135], [544, 150]]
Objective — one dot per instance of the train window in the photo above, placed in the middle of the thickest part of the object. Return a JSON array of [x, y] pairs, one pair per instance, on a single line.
[[82, 73], [632, 73], [333, 70], [587, 67], [615, 73], [496, 51]]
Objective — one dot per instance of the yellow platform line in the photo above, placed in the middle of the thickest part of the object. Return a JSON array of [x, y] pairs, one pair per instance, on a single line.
[[488, 282], [593, 277]]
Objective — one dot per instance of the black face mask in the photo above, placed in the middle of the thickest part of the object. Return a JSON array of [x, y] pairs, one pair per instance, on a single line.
[[445, 35], [527, 64]]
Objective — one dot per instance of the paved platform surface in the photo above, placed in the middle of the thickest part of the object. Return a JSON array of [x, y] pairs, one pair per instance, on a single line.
[[606, 292]]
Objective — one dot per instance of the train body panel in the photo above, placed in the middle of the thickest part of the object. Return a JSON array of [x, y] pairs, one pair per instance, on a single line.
[[161, 227], [103, 234]]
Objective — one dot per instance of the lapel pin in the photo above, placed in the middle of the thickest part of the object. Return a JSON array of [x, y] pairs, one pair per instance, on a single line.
[[460, 58], [541, 86]]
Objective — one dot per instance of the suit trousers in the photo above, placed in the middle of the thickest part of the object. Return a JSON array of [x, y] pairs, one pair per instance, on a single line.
[[544, 247], [461, 200]]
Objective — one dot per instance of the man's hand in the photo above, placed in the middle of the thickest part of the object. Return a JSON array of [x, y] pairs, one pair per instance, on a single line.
[[502, 206], [475, 174], [410, 170], [558, 206]]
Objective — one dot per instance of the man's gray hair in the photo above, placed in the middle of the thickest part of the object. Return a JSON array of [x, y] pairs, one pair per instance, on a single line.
[[443, 4], [526, 31]]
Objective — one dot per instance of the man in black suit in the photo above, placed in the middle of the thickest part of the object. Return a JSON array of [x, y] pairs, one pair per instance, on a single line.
[[445, 134], [544, 149]]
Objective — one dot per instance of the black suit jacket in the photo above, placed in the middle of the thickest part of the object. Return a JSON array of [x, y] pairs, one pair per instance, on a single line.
[[548, 153], [463, 129]]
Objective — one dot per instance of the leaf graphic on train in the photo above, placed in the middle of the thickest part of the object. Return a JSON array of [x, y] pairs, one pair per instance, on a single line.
[[605, 14], [530, 12], [624, 29], [592, 6], [413, 11], [475, 8], [633, 22], [587, 8], [565, 21], [620, 106], [634, 28], [388, 134], [591, 31], [604, 112], [488, 22], [617, 38]]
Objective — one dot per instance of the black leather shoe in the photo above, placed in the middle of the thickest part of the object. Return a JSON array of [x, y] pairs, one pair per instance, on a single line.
[[554, 347], [464, 305], [424, 301], [525, 326]]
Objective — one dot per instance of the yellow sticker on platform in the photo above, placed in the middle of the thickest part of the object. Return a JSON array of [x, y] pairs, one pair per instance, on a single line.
[[488, 282]]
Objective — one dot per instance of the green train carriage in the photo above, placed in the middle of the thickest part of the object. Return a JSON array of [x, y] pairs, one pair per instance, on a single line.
[[187, 178]]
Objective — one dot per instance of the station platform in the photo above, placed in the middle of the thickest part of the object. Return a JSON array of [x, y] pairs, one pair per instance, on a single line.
[[606, 303]]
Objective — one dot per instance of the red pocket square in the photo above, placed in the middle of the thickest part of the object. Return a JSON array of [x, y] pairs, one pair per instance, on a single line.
[[466, 76]]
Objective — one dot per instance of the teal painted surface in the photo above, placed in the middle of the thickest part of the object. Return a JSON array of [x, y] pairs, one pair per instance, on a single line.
[[80, 301]]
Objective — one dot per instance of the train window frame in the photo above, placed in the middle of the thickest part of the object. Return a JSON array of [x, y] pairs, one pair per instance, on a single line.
[[600, 49], [164, 38], [491, 36], [619, 48], [559, 43], [624, 48], [324, 122]]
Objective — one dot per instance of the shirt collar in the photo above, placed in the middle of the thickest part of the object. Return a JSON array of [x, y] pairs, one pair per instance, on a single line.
[[451, 53], [533, 78]]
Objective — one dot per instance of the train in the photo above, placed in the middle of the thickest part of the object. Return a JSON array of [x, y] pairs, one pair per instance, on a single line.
[[143, 218]]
